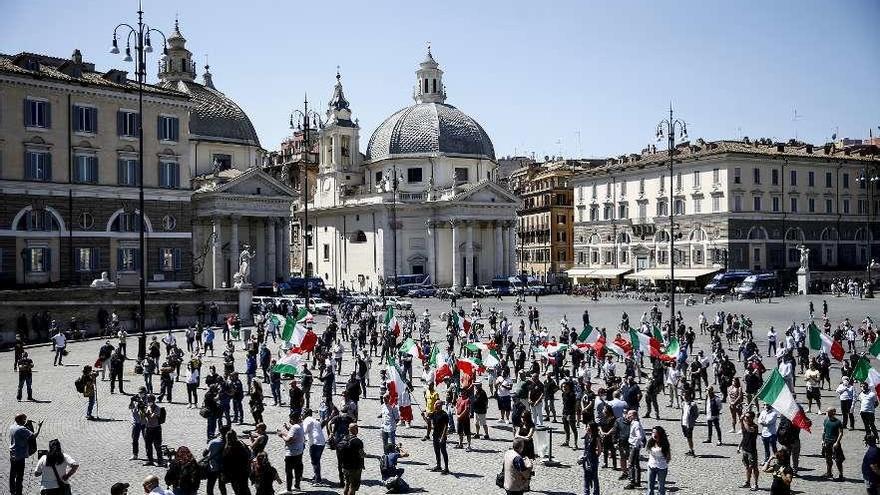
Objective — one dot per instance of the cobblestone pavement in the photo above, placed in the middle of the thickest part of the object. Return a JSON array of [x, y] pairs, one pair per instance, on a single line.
[[103, 447]]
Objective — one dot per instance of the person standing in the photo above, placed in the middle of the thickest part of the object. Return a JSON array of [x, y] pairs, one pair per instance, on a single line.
[[659, 455], [480, 407], [316, 439], [152, 419], [59, 343], [517, 469], [294, 445], [871, 466], [85, 384], [137, 406], [390, 416], [832, 434], [352, 460], [569, 414], [214, 454], [689, 413], [55, 469], [867, 405], [117, 362], [463, 419], [769, 420], [589, 461], [263, 475], [713, 414], [25, 375], [439, 425], [846, 393], [636, 441], [735, 399], [783, 474], [749, 447], [20, 440]]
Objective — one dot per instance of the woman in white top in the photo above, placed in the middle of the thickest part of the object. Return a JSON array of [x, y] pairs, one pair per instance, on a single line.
[[55, 469], [659, 455]]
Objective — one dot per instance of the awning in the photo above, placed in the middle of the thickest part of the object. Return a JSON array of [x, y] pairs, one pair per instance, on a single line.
[[609, 273], [684, 274], [579, 272]]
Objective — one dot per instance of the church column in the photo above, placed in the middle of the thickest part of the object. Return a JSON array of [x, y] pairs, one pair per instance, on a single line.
[[429, 243], [279, 249], [456, 256], [259, 265], [270, 250], [469, 256], [500, 258], [511, 248], [285, 247], [217, 254], [233, 242], [505, 250]]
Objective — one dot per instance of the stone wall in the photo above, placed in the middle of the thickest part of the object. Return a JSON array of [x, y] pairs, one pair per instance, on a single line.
[[84, 304]]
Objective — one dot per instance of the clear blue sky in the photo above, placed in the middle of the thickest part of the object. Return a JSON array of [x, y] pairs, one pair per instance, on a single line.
[[534, 74]]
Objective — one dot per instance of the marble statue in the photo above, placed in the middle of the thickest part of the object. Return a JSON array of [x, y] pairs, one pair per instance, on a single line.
[[805, 257], [104, 282], [242, 277]]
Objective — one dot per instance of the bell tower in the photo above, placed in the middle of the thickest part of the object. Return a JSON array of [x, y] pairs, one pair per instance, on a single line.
[[429, 81], [177, 65], [340, 156]]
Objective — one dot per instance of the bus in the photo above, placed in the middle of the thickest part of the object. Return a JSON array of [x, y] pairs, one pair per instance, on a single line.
[[297, 286]]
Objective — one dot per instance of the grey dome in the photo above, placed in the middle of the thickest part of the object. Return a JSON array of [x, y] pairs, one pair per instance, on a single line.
[[429, 129], [216, 117]]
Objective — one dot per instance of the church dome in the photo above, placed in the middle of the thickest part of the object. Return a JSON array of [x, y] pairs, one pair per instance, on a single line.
[[216, 117], [429, 129]]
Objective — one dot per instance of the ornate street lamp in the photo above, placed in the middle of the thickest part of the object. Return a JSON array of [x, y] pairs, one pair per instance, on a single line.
[[142, 46], [302, 120], [667, 128]]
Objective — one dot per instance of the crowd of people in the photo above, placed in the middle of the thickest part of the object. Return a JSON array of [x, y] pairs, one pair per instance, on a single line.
[[601, 384]]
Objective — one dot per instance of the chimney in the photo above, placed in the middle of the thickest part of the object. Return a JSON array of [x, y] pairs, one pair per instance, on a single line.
[[77, 57], [810, 149], [780, 147]]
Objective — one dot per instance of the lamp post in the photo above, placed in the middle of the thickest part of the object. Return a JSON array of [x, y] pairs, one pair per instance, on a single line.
[[667, 128], [303, 119], [869, 178], [142, 47], [394, 184]]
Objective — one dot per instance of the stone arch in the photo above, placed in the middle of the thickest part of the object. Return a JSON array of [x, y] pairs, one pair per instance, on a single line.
[[147, 223], [757, 233], [62, 227]]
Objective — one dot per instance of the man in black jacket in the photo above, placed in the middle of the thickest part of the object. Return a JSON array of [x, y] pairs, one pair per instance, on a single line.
[[479, 406]]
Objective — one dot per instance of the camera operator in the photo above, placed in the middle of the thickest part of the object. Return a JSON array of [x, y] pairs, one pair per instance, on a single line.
[[22, 444], [152, 419], [137, 405]]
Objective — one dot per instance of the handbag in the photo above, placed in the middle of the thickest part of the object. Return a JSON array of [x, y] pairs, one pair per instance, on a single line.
[[63, 487], [499, 479]]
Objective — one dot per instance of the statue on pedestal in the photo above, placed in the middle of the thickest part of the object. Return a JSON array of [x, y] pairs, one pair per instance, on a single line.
[[104, 282], [805, 258], [242, 278]]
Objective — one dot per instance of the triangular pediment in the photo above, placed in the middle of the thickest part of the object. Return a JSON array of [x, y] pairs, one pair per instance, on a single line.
[[255, 182], [486, 192]]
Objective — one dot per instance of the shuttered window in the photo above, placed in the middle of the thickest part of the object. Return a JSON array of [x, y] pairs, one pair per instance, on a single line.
[[170, 259], [169, 174], [38, 166], [37, 260], [85, 119], [87, 259], [168, 128], [127, 123], [128, 259], [127, 170], [37, 113], [85, 169]]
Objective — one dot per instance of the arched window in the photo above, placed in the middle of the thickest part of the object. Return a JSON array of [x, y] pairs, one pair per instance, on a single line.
[[594, 239], [358, 237], [661, 236], [38, 221], [126, 222], [426, 85], [434, 82], [829, 234], [698, 235], [757, 234], [623, 238], [794, 234]]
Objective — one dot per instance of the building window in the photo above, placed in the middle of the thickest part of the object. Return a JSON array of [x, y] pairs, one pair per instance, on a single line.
[[811, 178], [642, 186], [643, 211], [461, 174], [126, 222], [87, 259], [623, 188], [737, 175], [737, 203], [85, 119], [678, 182], [716, 203], [608, 212], [776, 204], [38, 260], [85, 169], [794, 205], [679, 207], [756, 175], [127, 172], [594, 258], [662, 209], [37, 113], [38, 166], [38, 221], [128, 259], [358, 237], [756, 203], [662, 182], [827, 179], [774, 177], [829, 206], [698, 205], [863, 206], [594, 191], [792, 178], [846, 181], [378, 178], [127, 123], [326, 249], [169, 259], [663, 257], [624, 256], [623, 211], [221, 162], [696, 178], [811, 205], [169, 128], [414, 174], [594, 213], [716, 175], [169, 174], [846, 207]]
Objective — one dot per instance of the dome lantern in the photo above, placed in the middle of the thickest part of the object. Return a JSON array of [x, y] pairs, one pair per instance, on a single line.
[[429, 81], [177, 64]]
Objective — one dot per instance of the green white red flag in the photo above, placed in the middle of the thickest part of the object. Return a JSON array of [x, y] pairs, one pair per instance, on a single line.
[[462, 323], [391, 322], [409, 346], [671, 351], [439, 364], [776, 393], [470, 366], [821, 342], [619, 346], [290, 363], [589, 334], [874, 350], [487, 352], [658, 334], [395, 383], [864, 372]]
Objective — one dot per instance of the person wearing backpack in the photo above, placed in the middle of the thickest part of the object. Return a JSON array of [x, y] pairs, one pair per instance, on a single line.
[[153, 417], [85, 385]]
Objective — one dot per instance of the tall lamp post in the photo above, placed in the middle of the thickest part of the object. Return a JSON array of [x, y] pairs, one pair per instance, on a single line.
[[869, 178], [667, 127], [301, 120], [142, 47], [394, 183]]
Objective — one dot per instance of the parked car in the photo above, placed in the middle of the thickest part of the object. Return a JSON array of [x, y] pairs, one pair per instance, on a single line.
[[485, 291], [319, 305], [422, 292], [446, 293], [397, 303]]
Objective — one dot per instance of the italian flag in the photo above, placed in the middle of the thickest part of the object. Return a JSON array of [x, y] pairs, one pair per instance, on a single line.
[[776, 393], [410, 347], [671, 351], [288, 325], [589, 335], [658, 334], [865, 373], [874, 350], [462, 324], [289, 364], [438, 362], [395, 383], [470, 366], [619, 346], [391, 322], [598, 346], [490, 358], [821, 342], [643, 343]]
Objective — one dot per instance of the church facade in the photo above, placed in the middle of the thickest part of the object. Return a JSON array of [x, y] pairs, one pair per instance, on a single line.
[[422, 200]]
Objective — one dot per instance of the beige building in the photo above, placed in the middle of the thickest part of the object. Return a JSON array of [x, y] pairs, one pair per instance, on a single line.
[[69, 175]]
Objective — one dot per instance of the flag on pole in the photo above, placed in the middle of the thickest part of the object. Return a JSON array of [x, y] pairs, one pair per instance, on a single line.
[[589, 334], [487, 352], [864, 372], [395, 383], [463, 324], [439, 364], [391, 322], [776, 393], [874, 350], [671, 351], [470, 366], [410, 347], [643, 343], [289, 324], [619, 346], [290, 363], [821, 342]]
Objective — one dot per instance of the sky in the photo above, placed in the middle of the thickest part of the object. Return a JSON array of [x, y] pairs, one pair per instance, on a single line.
[[565, 78]]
